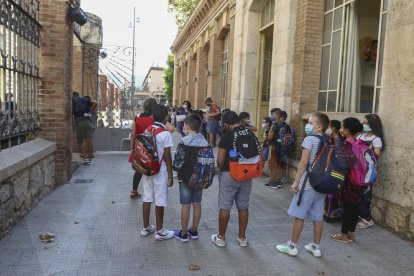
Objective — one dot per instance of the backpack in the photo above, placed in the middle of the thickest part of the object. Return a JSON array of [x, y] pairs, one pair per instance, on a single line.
[[145, 155], [364, 170], [246, 163], [197, 171], [288, 137], [327, 172]]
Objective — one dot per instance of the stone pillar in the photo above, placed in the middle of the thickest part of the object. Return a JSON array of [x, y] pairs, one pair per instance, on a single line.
[[394, 191], [103, 91], [183, 82], [177, 84], [77, 61], [214, 63], [200, 91], [282, 55], [55, 89], [192, 81], [91, 34]]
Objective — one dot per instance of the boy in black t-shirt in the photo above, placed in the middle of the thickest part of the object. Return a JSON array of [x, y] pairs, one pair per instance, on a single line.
[[231, 190]]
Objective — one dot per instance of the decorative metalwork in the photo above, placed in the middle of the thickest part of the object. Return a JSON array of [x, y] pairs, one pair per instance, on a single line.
[[19, 70]]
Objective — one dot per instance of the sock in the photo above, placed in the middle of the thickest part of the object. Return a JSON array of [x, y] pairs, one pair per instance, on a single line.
[[291, 244]]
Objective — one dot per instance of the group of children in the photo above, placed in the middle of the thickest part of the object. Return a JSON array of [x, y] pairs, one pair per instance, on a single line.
[[354, 199]]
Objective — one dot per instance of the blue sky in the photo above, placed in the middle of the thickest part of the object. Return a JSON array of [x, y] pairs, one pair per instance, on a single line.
[[155, 32]]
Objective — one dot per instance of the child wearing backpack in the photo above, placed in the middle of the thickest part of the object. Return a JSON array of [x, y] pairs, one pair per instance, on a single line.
[[236, 142], [333, 132], [155, 187], [275, 147], [266, 124], [194, 163], [374, 137], [312, 203], [244, 118], [351, 194]]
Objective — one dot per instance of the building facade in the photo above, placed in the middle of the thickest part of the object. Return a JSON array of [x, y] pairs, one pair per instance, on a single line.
[[343, 57], [152, 85]]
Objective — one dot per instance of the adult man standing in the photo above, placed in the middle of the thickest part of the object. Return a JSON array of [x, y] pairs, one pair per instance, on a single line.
[[81, 107], [213, 118]]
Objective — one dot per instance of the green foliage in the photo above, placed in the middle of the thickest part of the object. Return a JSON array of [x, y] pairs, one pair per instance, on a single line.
[[169, 78], [182, 10]]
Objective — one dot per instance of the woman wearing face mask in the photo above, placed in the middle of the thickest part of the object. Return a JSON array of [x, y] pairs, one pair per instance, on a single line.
[[182, 112], [333, 132], [373, 136]]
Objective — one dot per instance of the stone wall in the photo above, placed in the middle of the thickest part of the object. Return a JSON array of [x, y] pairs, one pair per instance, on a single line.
[[27, 173]]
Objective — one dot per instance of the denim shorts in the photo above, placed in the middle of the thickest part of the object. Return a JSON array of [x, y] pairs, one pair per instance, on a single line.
[[311, 207], [212, 126], [188, 196]]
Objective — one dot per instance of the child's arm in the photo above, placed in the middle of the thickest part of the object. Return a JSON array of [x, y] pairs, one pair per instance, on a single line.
[[168, 163], [221, 157], [304, 161]]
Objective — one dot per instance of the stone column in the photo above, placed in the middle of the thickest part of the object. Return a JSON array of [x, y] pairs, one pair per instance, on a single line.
[[201, 79], [55, 89], [192, 73], [214, 63], [394, 192]]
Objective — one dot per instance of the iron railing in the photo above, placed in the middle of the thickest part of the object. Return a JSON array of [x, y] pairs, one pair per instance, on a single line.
[[19, 70]]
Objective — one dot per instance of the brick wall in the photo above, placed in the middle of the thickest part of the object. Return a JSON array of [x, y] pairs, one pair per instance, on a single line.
[[55, 88], [307, 60]]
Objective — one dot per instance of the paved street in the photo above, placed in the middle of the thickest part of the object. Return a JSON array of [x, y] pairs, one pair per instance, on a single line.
[[97, 233]]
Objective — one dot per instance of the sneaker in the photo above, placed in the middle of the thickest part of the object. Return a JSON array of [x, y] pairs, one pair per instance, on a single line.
[[164, 234], [267, 180], [277, 185], [284, 180], [242, 243], [287, 249], [315, 250], [146, 231], [217, 241], [87, 162], [269, 184], [182, 237], [365, 223], [193, 234]]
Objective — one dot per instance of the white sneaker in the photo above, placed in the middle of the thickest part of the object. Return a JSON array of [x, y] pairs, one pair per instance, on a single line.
[[316, 251], [365, 224], [217, 241], [146, 231], [242, 243], [287, 249], [164, 234]]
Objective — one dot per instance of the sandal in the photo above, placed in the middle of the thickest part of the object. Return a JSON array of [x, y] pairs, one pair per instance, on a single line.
[[339, 238], [134, 194]]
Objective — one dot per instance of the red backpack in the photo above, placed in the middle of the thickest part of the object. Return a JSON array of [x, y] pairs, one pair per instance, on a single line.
[[145, 155]]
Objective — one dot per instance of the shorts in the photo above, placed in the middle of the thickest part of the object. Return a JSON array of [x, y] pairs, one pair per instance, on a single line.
[[84, 130], [311, 207], [155, 188], [231, 190], [188, 196], [212, 126]]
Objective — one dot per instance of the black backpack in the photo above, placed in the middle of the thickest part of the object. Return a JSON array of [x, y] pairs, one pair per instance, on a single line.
[[80, 106]]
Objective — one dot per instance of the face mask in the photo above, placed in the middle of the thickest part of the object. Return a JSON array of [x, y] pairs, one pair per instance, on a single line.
[[329, 131], [367, 128], [308, 129], [247, 121], [184, 106], [272, 117], [264, 125], [209, 104]]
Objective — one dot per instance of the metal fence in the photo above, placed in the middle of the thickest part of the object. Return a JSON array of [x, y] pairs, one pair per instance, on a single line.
[[19, 70]]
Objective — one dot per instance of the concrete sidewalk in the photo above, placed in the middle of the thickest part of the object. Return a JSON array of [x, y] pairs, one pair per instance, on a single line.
[[106, 240]]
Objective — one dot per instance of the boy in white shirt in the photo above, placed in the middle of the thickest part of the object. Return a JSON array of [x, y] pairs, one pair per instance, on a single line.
[[155, 187]]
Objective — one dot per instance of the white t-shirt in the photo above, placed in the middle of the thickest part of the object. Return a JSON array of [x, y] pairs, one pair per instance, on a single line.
[[164, 140], [310, 143], [374, 140]]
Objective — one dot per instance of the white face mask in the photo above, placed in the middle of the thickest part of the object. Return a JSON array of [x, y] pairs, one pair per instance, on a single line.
[[328, 131], [184, 106], [264, 125]]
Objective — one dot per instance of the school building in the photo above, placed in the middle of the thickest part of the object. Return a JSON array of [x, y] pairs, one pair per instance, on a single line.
[[342, 57]]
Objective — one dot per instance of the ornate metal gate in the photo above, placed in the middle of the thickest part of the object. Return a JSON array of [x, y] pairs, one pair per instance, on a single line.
[[19, 70]]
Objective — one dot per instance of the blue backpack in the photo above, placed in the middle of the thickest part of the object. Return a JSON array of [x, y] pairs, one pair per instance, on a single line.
[[195, 166], [327, 173]]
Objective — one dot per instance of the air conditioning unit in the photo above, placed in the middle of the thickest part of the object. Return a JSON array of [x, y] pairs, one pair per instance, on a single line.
[[77, 15]]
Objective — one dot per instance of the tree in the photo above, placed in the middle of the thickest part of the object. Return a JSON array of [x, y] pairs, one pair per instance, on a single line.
[[182, 10], [169, 78]]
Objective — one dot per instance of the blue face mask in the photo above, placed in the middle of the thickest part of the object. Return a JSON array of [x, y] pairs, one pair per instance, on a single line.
[[309, 129], [367, 128]]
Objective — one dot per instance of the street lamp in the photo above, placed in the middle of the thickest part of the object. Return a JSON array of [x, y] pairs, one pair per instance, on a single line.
[[135, 20]]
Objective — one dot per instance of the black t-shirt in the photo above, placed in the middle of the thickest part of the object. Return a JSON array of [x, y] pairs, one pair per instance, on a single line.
[[226, 142]]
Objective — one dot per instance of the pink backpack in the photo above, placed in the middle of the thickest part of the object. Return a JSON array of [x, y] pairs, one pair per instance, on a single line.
[[364, 171]]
